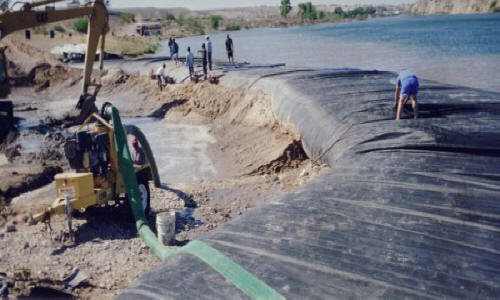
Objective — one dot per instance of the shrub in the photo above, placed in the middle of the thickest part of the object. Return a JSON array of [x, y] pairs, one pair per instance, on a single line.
[[493, 7], [214, 21], [180, 20], [81, 25], [335, 18], [59, 28], [127, 18], [357, 13], [168, 17], [152, 48], [233, 27], [370, 10], [195, 24], [40, 30]]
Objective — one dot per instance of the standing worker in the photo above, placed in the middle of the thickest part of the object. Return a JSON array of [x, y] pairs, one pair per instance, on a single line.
[[160, 76], [171, 48], [406, 88], [230, 49], [176, 52], [209, 53], [190, 62], [204, 59]]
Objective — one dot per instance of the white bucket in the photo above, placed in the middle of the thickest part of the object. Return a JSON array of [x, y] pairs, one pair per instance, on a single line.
[[165, 226]]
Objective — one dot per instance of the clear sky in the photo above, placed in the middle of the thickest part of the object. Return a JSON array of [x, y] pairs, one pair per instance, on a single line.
[[210, 4]]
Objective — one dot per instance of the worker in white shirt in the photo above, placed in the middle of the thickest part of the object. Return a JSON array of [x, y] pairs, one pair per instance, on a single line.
[[160, 76]]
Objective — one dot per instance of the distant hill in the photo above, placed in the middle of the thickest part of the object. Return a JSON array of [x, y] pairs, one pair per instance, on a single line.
[[455, 6]]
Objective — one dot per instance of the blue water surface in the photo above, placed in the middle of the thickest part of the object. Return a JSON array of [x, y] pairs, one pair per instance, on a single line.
[[455, 49], [456, 35]]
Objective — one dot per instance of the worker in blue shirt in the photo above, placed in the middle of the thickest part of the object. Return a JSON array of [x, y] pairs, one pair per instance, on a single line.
[[190, 62], [406, 88]]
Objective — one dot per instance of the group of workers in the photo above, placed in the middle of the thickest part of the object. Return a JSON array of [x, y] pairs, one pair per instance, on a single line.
[[406, 87], [205, 53]]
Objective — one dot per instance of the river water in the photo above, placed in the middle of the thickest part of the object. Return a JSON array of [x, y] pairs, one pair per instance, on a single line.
[[455, 49]]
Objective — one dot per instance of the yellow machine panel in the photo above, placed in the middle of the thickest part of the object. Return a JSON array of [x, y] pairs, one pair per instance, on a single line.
[[74, 185]]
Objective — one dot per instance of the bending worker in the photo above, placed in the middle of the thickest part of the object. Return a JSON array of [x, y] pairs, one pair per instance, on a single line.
[[160, 76], [406, 88]]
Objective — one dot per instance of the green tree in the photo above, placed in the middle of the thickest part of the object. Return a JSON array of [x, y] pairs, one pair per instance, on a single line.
[[302, 10], [338, 10], [233, 27], [168, 17], [127, 18], [307, 11], [215, 21], [285, 8], [357, 13], [81, 25], [370, 10]]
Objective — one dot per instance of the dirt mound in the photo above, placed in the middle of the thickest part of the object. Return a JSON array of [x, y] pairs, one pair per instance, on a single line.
[[208, 100], [34, 157], [291, 158], [114, 78], [242, 120], [19, 179], [42, 76], [26, 56]]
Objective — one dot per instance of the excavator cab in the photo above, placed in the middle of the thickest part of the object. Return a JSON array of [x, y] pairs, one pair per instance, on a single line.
[[4, 79]]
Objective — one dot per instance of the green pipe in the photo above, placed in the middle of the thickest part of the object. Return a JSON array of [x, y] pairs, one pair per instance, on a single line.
[[241, 278], [135, 131], [130, 182]]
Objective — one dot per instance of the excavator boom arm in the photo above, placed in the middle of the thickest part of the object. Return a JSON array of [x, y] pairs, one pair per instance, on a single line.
[[27, 17], [19, 20]]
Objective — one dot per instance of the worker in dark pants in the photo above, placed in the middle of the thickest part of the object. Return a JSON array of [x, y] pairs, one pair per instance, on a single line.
[[160, 76], [190, 62], [230, 49], [209, 53], [204, 57], [406, 88]]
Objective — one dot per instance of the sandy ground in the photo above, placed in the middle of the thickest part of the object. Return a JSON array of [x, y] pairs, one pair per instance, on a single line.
[[255, 159]]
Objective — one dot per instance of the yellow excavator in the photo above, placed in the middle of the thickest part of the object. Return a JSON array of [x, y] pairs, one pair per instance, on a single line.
[[33, 14]]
